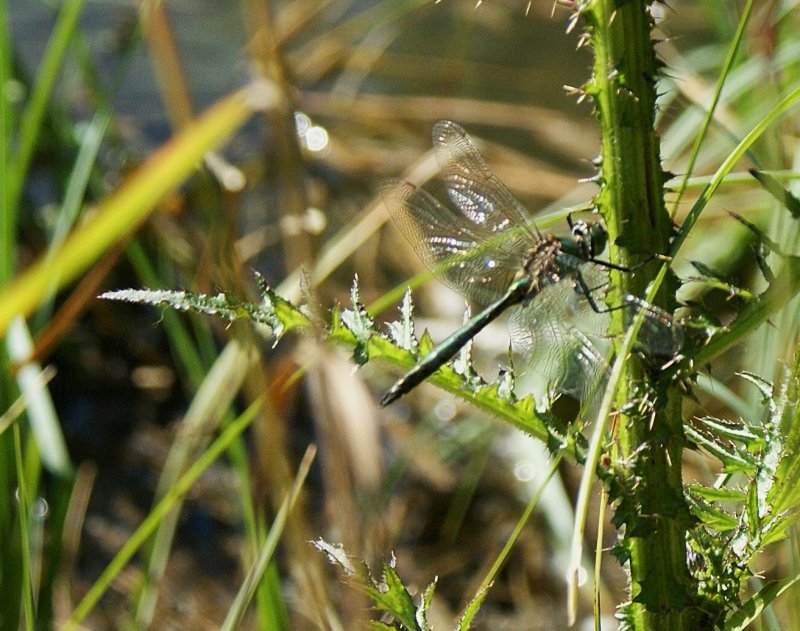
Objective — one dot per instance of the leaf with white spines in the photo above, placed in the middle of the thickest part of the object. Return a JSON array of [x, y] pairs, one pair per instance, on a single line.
[[462, 362], [219, 305], [424, 606], [359, 323], [336, 555], [403, 333], [506, 383]]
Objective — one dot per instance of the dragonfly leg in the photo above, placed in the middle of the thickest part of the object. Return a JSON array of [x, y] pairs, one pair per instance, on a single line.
[[583, 288], [626, 268]]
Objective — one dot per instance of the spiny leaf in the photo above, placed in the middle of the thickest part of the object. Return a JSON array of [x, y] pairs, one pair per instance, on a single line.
[[765, 509], [287, 316], [781, 468], [354, 328], [388, 594], [359, 323], [462, 362], [181, 300], [465, 621], [403, 333], [764, 386], [424, 606], [711, 494], [768, 463], [777, 529], [506, 383], [425, 343], [221, 305], [336, 555], [750, 437], [714, 518], [753, 523], [732, 458], [392, 597], [274, 311], [752, 608]]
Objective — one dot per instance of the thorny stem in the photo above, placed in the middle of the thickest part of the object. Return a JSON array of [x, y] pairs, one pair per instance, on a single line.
[[645, 486]]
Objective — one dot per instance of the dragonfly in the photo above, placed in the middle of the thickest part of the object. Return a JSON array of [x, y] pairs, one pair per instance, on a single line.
[[486, 250]]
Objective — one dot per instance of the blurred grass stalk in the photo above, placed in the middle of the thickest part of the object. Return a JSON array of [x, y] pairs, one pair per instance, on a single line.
[[124, 210], [109, 223], [631, 168]]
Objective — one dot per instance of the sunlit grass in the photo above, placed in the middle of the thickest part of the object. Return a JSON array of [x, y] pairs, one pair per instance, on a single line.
[[163, 220]]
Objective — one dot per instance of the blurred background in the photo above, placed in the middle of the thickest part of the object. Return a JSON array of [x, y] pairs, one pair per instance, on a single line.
[[429, 480]]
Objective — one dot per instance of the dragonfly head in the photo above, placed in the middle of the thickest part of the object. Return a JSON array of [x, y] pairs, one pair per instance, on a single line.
[[590, 238]]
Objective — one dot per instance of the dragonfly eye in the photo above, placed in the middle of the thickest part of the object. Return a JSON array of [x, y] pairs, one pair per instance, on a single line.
[[598, 239], [591, 238]]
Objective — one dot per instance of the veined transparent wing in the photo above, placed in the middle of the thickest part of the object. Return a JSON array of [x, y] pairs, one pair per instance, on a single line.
[[565, 340], [561, 336], [659, 336], [472, 186], [472, 258], [483, 245]]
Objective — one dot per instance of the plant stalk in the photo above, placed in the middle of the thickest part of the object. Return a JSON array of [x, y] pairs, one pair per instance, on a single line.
[[646, 487]]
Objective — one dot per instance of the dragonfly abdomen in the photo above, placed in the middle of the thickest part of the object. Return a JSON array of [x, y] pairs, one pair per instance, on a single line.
[[446, 350]]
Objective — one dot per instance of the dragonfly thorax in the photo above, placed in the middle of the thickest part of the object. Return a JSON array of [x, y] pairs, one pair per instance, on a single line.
[[542, 264], [552, 259]]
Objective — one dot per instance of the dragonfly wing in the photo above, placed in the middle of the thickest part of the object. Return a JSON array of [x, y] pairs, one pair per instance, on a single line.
[[562, 337], [453, 247], [659, 336], [471, 184]]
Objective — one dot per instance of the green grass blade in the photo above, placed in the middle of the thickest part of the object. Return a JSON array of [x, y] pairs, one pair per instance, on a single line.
[[752, 608], [780, 292], [44, 422], [256, 572], [149, 525], [716, 180], [79, 178], [726, 69], [774, 114], [32, 117], [207, 408], [25, 544], [512, 538], [7, 124]]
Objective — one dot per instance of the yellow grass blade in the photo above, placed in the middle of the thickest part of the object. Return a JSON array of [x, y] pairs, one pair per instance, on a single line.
[[125, 209]]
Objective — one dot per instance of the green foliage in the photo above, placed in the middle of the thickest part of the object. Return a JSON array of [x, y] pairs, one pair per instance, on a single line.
[[728, 524], [159, 512], [718, 530], [274, 312], [754, 502], [390, 595], [354, 328]]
